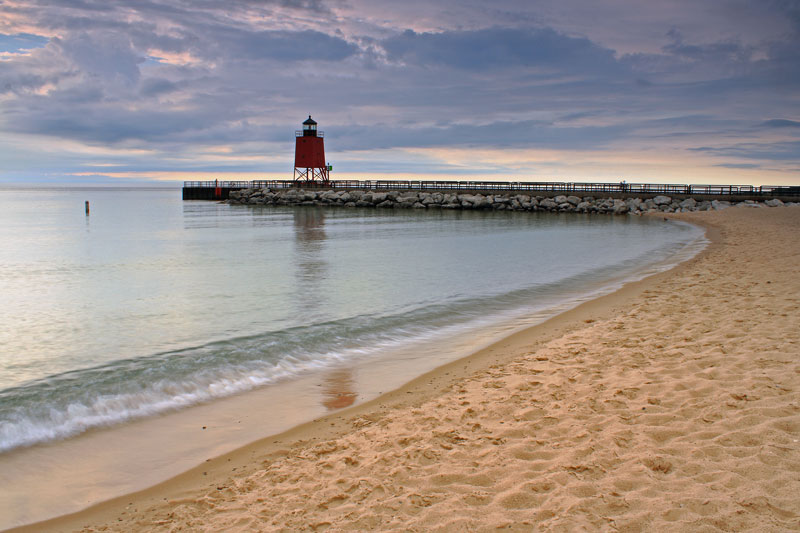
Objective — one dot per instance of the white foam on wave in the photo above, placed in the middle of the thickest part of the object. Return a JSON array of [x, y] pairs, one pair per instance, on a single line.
[[59, 422]]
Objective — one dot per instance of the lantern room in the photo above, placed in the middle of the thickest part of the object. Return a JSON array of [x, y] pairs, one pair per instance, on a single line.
[[309, 154], [310, 127]]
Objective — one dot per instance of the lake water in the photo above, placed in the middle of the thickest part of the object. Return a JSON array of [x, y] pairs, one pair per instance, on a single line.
[[151, 305]]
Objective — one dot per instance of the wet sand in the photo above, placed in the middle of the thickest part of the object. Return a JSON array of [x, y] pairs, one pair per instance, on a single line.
[[670, 405]]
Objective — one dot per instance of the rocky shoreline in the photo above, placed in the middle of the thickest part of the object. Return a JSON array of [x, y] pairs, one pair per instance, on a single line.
[[506, 201]]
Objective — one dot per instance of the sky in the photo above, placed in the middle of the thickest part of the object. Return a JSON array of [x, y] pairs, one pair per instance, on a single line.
[[145, 91]]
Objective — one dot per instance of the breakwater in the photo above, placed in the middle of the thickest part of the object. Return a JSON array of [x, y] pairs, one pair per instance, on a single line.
[[220, 190], [401, 199]]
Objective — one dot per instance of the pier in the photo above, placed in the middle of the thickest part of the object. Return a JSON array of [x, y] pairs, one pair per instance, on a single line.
[[220, 190]]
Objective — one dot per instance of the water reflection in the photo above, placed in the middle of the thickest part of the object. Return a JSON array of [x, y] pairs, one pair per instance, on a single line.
[[338, 389], [310, 265], [309, 233], [311, 275], [309, 226]]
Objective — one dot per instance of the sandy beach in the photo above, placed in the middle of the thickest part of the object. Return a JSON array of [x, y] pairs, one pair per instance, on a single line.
[[670, 405]]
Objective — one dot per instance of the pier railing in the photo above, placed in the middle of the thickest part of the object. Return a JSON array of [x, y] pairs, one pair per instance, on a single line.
[[521, 186]]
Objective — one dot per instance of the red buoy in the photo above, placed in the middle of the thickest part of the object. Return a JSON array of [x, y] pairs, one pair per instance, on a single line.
[[309, 154]]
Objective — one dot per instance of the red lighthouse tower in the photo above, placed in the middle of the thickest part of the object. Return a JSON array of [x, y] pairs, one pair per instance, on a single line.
[[309, 154]]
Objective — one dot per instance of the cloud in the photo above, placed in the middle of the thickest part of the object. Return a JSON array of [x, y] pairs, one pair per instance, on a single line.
[[497, 134], [780, 123], [105, 56], [174, 77], [157, 86], [776, 151], [738, 165], [724, 52], [111, 124], [790, 9], [285, 46], [498, 48]]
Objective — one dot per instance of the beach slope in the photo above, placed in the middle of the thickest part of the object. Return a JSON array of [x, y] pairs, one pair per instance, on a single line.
[[672, 405]]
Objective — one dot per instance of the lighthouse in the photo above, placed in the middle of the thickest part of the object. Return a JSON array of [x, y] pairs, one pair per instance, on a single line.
[[309, 154]]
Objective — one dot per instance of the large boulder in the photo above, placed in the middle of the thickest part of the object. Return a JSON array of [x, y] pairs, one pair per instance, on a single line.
[[408, 197], [428, 199], [662, 200], [480, 202], [329, 195], [548, 203], [633, 203], [719, 205], [689, 203], [774, 203], [451, 199]]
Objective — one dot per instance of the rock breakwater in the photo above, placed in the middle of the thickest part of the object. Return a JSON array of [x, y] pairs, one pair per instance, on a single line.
[[498, 202]]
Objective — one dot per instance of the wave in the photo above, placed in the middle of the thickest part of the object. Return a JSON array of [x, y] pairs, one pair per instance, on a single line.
[[70, 403]]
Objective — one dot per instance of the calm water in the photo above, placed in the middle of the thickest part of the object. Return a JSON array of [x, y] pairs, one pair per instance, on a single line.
[[152, 304]]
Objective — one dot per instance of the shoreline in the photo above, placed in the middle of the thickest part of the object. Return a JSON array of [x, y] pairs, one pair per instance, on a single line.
[[423, 387], [339, 425], [104, 463]]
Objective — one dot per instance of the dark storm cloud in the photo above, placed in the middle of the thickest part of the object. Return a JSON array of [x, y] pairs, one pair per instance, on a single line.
[[780, 123], [790, 9], [724, 52], [13, 80], [500, 48], [286, 46], [522, 134], [157, 86], [109, 125]]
